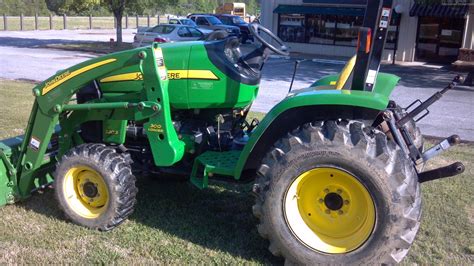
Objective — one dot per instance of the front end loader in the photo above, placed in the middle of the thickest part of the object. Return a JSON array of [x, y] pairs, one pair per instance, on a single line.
[[336, 168]]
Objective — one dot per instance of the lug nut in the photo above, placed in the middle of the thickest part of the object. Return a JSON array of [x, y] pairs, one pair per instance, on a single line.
[[346, 202], [321, 200], [340, 212], [326, 190], [328, 211], [339, 191]]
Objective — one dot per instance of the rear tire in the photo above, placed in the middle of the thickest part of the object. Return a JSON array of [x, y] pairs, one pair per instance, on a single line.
[[368, 160], [412, 129], [95, 187]]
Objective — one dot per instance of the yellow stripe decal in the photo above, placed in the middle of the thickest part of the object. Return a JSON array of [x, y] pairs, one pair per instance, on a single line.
[[191, 74], [123, 77], [172, 74], [60, 79]]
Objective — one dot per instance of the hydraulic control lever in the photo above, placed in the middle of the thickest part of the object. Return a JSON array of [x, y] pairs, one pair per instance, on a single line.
[[424, 105]]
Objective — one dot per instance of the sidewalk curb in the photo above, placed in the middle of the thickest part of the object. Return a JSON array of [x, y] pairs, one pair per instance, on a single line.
[[434, 138]]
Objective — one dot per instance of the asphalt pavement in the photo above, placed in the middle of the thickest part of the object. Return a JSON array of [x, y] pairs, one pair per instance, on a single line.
[[453, 114], [22, 58]]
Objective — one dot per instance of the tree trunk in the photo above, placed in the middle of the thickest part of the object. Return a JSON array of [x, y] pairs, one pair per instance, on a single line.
[[118, 18]]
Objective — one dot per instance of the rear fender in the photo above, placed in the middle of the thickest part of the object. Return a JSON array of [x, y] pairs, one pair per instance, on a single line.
[[305, 107], [384, 85]]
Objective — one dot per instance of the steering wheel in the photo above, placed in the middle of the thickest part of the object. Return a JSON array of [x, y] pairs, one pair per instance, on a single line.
[[255, 29]]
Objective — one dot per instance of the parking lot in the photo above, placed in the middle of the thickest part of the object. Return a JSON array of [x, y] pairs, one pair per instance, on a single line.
[[23, 58]]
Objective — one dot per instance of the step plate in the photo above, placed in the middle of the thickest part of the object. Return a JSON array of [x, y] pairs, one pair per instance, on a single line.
[[213, 162]]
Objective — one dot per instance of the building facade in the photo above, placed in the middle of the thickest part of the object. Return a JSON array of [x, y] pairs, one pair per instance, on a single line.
[[431, 33]]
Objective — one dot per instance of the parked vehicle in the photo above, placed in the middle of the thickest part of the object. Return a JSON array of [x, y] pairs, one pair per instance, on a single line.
[[182, 21], [167, 33], [188, 22], [211, 22], [236, 21]]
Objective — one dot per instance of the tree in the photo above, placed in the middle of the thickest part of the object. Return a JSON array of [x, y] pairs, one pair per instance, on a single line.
[[71, 6], [117, 7], [25, 7], [139, 7]]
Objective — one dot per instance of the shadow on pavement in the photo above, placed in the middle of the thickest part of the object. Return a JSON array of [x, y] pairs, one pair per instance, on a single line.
[[34, 43], [421, 77], [424, 77]]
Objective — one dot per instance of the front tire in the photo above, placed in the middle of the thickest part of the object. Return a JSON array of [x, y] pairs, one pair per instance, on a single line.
[[337, 193], [95, 187]]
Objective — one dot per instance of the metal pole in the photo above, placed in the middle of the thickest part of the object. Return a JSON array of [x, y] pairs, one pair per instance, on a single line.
[[5, 24], [395, 48], [158, 20], [64, 22], [36, 21], [50, 21], [115, 22], [297, 63], [136, 17], [148, 21], [90, 21], [21, 21], [126, 21]]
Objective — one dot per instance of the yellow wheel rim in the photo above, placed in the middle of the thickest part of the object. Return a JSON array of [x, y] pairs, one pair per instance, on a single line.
[[329, 210], [86, 192]]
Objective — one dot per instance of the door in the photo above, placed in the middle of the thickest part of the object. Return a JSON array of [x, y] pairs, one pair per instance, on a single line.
[[203, 23], [184, 34], [439, 39]]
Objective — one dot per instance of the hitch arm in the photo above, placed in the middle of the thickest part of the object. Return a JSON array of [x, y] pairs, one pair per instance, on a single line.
[[446, 171], [424, 105]]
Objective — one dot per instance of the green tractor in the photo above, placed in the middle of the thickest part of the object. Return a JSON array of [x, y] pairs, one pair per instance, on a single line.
[[336, 167]]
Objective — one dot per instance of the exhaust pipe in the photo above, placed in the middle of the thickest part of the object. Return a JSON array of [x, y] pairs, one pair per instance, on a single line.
[[446, 171]]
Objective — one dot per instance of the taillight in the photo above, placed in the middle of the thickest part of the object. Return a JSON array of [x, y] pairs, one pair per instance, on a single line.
[[160, 40]]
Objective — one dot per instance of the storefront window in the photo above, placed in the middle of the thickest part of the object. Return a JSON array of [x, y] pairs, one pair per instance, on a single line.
[[292, 28], [392, 34], [439, 39], [339, 30], [348, 29], [320, 29], [450, 38]]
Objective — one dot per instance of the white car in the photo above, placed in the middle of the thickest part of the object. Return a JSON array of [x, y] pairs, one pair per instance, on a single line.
[[167, 33], [189, 22]]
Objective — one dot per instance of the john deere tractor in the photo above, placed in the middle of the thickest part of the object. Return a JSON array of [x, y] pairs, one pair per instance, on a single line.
[[336, 167]]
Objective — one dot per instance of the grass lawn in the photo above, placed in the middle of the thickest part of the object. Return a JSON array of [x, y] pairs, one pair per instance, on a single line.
[[177, 223]]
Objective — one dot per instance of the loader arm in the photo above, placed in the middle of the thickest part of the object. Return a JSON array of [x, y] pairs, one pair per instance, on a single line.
[[53, 104]]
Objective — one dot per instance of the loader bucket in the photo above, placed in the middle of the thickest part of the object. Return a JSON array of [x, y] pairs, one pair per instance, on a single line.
[[8, 147], [3, 184]]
